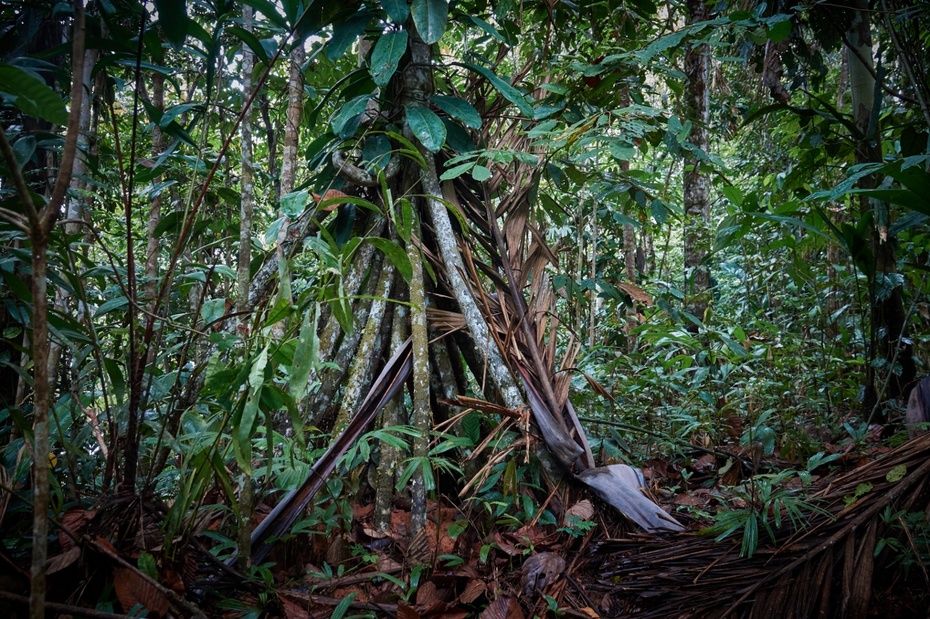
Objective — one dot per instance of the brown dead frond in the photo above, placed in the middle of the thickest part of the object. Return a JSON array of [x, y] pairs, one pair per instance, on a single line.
[[829, 569]]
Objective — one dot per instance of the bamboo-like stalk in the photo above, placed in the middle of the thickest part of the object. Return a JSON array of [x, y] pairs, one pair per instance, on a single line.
[[421, 415], [362, 370]]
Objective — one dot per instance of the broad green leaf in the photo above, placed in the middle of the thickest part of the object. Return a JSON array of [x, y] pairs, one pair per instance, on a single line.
[[733, 194], [426, 126], [503, 86], [115, 303], [345, 34], [23, 149], [243, 442], [117, 381], [346, 120], [386, 54], [172, 15], [456, 171], [396, 254], [31, 95], [305, 355], [293, 204], [459, 109], [212, 310], [397, 10], [480, 173], [176, 110], [430, 17], [780, 31]]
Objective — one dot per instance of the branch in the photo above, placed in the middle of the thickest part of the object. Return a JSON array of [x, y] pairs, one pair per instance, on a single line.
[[18, 181], [50, 211]]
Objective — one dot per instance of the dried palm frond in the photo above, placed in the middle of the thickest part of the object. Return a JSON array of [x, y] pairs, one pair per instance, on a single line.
[[829, 569]]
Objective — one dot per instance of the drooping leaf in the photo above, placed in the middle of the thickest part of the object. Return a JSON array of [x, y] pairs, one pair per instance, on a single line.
[[346, 120], [426, 126], [431, 18], [397, 10], [305, 355], [503, 86], [172, 15], [243, 443], [395, 253], [251, 41], [345, 34], [31, 95], [459, 109], [386, 54], [294, 203]]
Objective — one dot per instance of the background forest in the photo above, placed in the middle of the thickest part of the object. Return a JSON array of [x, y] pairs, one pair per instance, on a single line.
[[392, 308]]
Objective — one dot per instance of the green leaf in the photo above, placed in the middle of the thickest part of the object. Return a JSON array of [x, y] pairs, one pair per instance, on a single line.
[[427, 127], [305, 355], [293, 204], [430, 18], [397, 10], [396, 254], [780, 31], [457, 171], [896, 474], [459, 109], [266, 8], [386, 54], [147, 565], [733, 194], [212, 310], [503, 86], [176, 110], [480, 173], [251, 41], [343, 607], [243, 443], [346, 120], [115, 303], [117, 380], [31, 95], [345, 33], [172, 15]]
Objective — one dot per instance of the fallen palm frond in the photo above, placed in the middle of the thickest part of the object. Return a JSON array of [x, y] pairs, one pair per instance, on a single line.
[[829, 569]]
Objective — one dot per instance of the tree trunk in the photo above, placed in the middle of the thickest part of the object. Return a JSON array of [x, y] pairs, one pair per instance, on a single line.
[[696, 182], [887, 339], [244, 261]]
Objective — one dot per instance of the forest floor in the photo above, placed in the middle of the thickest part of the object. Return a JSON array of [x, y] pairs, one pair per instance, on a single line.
[[473, 562]]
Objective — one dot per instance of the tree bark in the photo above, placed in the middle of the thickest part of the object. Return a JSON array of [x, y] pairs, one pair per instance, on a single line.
[[887, 317], [696, 183]]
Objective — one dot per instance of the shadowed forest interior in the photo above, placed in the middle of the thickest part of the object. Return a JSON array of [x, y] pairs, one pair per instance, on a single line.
[[430, 309]]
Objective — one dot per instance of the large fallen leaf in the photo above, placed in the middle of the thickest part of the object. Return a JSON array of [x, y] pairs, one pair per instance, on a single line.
[[541, 570], [132, 590], [620, 485]]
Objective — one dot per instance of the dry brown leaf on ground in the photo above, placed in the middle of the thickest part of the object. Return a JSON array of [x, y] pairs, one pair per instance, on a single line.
[[63, 560], [133, 589], [541, 570], [473, 590], [505, 607], [292, 609]]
